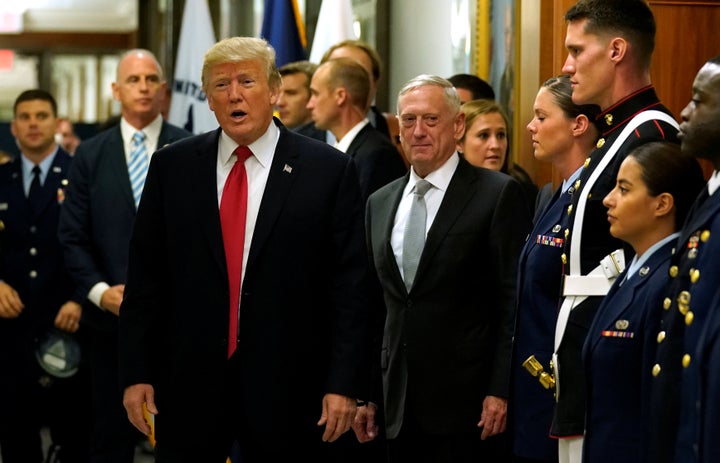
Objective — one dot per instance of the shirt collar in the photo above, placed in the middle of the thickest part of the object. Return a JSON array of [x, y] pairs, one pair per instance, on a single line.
[[152, 130], [344, 143], [439, 178], [713, 183], [263, 148], [27, 165]]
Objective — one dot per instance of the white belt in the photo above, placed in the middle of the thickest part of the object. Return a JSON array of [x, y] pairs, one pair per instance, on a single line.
[[577, 288], [597, 282]]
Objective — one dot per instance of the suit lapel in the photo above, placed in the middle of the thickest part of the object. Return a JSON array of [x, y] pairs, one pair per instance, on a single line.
[[285, 168], [117, 168], [456, 198], [205, 190], [56, 173], [358, 141], [386, 222]]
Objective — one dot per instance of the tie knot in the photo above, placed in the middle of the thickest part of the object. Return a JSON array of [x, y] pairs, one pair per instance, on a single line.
[[138, 137], [242, 153], [36, 170], [422, 186]]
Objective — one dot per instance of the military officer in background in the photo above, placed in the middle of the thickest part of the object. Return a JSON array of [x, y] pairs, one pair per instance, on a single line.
[[687, 351], [610, 45], [36, 294]]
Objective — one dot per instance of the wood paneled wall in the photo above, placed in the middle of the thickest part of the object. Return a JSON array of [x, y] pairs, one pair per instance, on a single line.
[[686, 38]]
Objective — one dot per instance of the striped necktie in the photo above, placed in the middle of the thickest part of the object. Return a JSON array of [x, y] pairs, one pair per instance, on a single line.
[[138, 166]]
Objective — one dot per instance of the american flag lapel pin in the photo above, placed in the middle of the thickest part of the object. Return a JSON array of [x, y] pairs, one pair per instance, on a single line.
[[287, 169]]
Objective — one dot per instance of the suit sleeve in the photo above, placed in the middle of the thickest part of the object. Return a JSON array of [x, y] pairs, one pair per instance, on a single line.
[[350, 353], [510, 225], [142, 308], [74, 228]]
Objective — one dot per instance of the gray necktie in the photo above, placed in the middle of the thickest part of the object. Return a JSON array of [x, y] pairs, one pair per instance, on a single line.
[[414, 239]]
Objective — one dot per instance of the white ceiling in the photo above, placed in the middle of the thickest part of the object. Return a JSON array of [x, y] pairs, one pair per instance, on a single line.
[[68, 15]]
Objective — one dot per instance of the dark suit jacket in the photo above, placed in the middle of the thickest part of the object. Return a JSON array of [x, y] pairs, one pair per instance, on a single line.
[[707, 354], [309, 129], [99, 212], [303, 323], [451, 337], [618, 356], [680, 390], [376, 159]]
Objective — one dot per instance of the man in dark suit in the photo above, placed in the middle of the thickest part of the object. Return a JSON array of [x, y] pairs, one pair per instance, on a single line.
[[340, 89], [294, 93], [448, 331], [36, 293], [368, 57], [95, 225], [292, 265], [610, 45]]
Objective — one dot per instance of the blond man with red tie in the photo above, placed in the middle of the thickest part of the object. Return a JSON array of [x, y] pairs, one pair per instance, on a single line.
[[245, 316]]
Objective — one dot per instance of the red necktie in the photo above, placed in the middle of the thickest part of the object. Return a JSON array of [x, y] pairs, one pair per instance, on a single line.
[[233, 208]]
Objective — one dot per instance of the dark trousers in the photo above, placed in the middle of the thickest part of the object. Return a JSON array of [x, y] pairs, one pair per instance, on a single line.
[[412, 445], [114, 438]]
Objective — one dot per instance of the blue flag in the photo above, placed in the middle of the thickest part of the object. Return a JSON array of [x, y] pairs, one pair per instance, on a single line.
[[283, 28]]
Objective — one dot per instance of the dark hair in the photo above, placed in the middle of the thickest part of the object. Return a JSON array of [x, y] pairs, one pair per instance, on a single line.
[[475, 85], [370, 51], [36, 94], [561, 90], [296, 67], [665, 169], [714, 60], [632, 19]]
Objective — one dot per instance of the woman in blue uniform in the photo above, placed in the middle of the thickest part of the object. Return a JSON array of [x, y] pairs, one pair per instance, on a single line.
[[562, 134], [656, 186]]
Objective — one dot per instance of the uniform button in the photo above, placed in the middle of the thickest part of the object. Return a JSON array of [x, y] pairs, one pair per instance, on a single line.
[[33, 274], [567, 233], [694, 275], [33, 229], [569, 209], [689, 317], [704, 236], [33, 251], [667, 303], [563, 257], [660, 337], [656, 369], [686, 360], [587, 160], [600, 143], [673, 271]]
